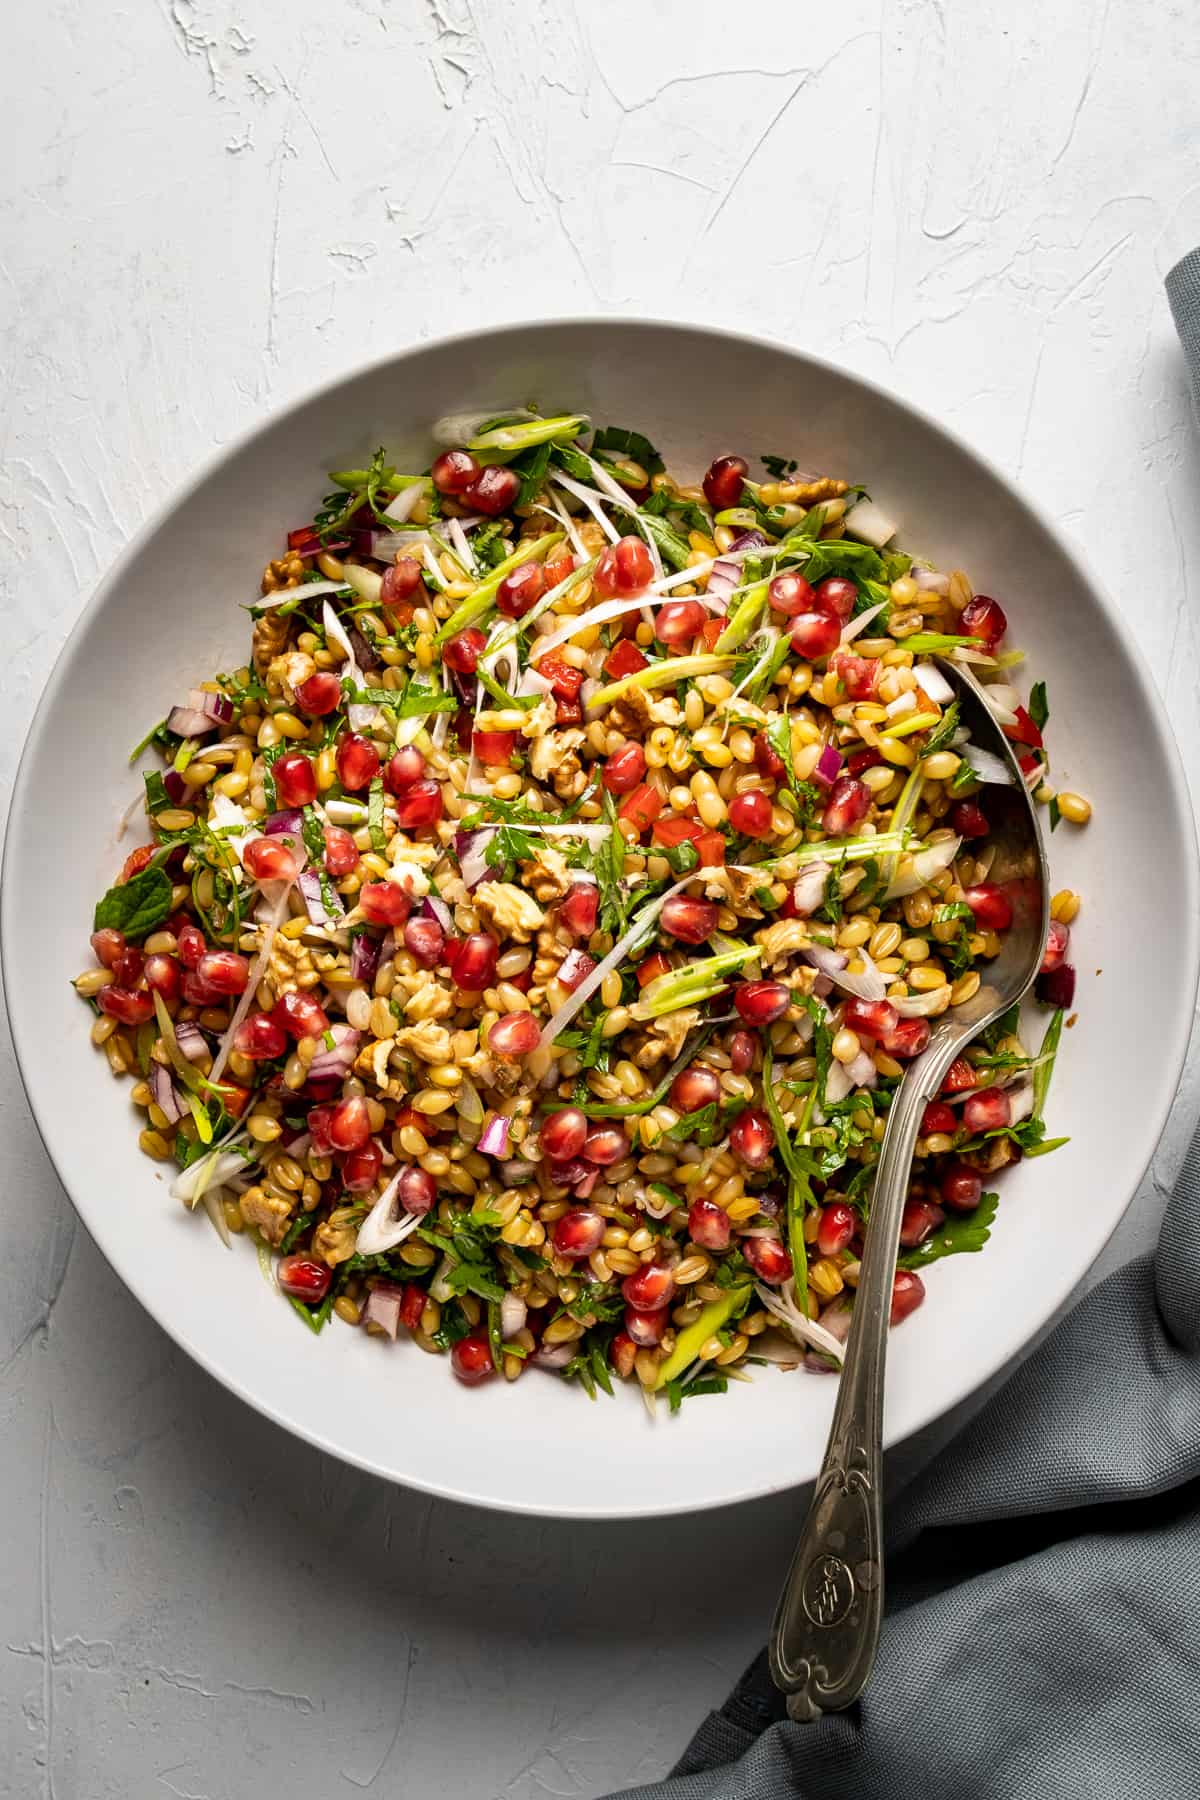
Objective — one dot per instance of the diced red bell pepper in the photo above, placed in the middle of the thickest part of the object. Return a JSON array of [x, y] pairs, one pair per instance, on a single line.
[[568, 712], [1024, 731], [675, 830], [1027, 763], [233, 1097], [494, 748], [565, 680], [624, 659], [652, 967], [642, 806], [710, 847], [711, 630], [412, 1305], [959, 1077]]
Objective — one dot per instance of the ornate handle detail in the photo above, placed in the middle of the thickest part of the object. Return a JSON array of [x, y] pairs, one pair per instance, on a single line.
[[827, 1624]]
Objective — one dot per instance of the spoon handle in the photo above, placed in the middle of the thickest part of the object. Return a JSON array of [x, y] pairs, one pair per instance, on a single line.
[[826, 1627]]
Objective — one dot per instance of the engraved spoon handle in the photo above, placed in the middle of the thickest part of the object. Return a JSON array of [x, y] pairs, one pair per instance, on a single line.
[[826, 1627]]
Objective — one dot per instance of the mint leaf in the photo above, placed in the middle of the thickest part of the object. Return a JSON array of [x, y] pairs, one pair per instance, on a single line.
[[137, 906], [620, 442], [1039, 706]]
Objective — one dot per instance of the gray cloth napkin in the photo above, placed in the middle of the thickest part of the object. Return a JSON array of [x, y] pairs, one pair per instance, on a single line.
[[1043, 1574]]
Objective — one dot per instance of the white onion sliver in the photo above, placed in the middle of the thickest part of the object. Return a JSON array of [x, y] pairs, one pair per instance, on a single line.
[[918, 1006], [513, 1313], [367, 583], [934, 683], [903, 703], [860, 622], [596, 615], [1002, 701], [930, 582], [870, 985], [862, 1071], [870, 523], [989, 767], [462, 549], [406, 502], [258, 969], [1020, 1101], [781, 1304], [809, 890], [591, 500], [379, 1231], [214, 1169], [837, 1084], [925, 865], [556, 510], [311, 590]]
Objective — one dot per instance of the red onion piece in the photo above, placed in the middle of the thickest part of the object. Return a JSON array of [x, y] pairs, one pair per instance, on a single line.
[[383, 1307], [829, 766], [576, 965], [165, 1096], [469, 847], [513, 1313], [493, 1140], [516, 1172], [277, 823], [188, 722], [328, 1064], [556, 1356], [809, 890], [434, 908], [174, 786], [191, 1040], [309, 884], [364, 957], [214, 706]]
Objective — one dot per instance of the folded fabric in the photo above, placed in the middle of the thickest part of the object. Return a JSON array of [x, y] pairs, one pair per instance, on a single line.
[[1044, 1585], [1183, 292]]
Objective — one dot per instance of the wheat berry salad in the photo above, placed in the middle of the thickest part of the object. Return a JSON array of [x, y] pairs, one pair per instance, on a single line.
[[536, 928]]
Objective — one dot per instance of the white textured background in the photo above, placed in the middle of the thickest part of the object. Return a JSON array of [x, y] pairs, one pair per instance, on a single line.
[[204, 207]]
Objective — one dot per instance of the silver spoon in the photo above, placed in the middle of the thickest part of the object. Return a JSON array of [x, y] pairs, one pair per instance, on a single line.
[[826, 1628]]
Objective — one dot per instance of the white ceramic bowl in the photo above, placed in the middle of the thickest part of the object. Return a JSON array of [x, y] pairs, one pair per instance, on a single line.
[[169, 614]]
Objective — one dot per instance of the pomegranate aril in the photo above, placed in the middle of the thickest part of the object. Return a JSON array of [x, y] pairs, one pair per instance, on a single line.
[[836, 596], [649, 1288], [624, 768], [383, 903], [198, 993], [520, 591], [645, 1328], [403, 586], [622, 1353], [938, 1117], [961, 1186], [516, 1034], [123, 1004], [404, 769], [968, 819], [1058, 942], [1057, 987], [564, 1134], [918, 1219], [988, 1109], [493, 491], [350, 1123], [319, 695], [341, 851], [724, 481], [907, 1038], [301, 1014], [454, 471], [357, 762], [295, 779], [991, 906], [908, 1291], [859, 675], [848, 805], [260, 1037], [870, 1018], [301, 1278], [708, 1225], [419, 806], [162, 975], [578, 1233], [761, 1002], [192, 946], [269, 859], [959, 1077], [416, 1190], [691, 921], [624, 569], [425, 942], [605, 1145], [815, 635], [471, 1359], [768, 1258], [751, 814], [129, 967], [225, 971], [413, 1305], [695, 1087], [767, 760], [791, 595], [579, 908], [475, 962], [109, 943], [462, 652], [678, 622], [752, 1138], [983, 618], [360, 1170], [742, 1047], [318, 1128], [835, 1228]]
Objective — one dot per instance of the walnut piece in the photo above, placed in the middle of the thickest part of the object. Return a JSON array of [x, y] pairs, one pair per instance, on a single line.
[[268, 1213], [782, 939], [548, 876], [268, 638], [551, 753], [428, 1041], [636, 711], [333, 1240], [509, 909]]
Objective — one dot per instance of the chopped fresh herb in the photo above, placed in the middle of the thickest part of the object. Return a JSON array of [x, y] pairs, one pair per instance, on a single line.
[[1039, 706], [521, 702], [531, 466], [157, 798], [1044, 1067], [157, 734], [632, 444], [961, 1232], [375, 822], [679, 858], [706, 1125], [300, 1224], [509, 847], [418, 700], [487, 544], [137, 906], [1055, 813], [678, 1391], [941, 734], [778, 467]]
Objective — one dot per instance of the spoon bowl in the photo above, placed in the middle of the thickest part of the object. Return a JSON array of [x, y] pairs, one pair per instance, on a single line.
[[827, 1624]]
